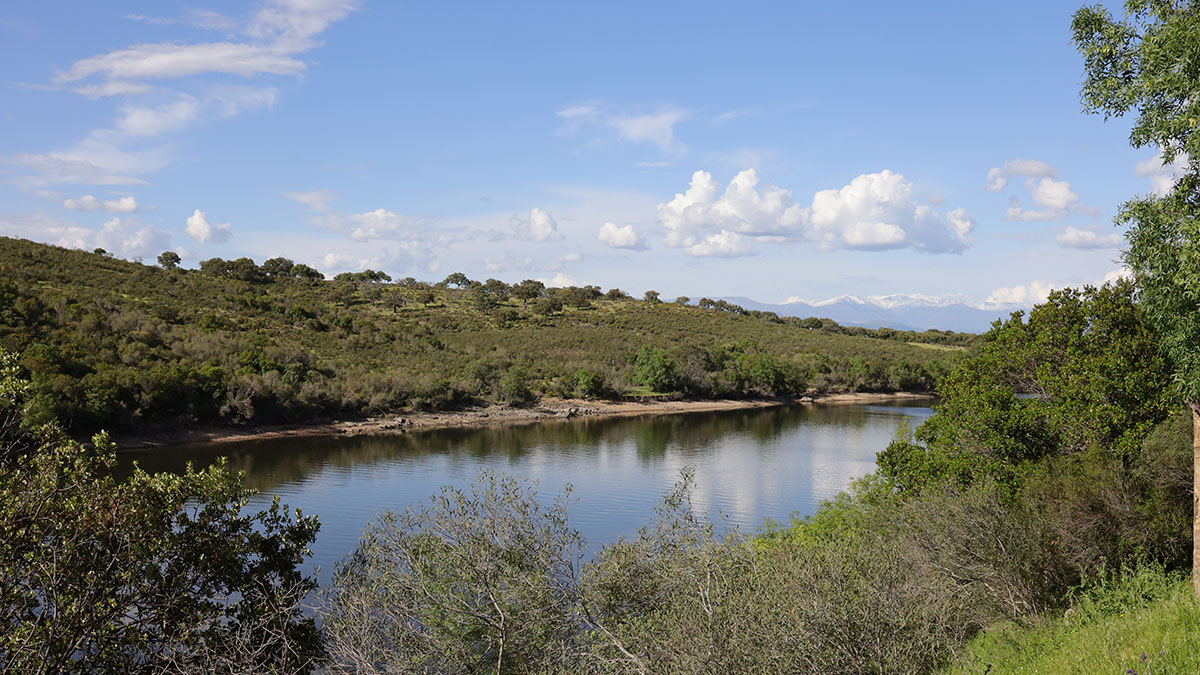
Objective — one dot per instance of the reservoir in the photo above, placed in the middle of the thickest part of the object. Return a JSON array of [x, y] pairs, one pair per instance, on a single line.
[[750, 465]]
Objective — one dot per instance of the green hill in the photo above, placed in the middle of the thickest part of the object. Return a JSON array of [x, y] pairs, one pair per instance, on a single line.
[[121, 344]]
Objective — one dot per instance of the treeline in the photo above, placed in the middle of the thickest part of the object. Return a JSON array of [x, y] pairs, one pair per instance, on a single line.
[[116, 344]]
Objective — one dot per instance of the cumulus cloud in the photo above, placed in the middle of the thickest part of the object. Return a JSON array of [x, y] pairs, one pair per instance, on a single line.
[[997, 177], [1162, 175], [1118, 274], [624, 236], [539, 225], [878, 211], [1053, 198], [559, 280], [394, 256], [381, 224], [874, 211], [1031, 294], [367, 226], [1037, 292], [703, 214], [1090, 238], [123, 237], [201, 230]]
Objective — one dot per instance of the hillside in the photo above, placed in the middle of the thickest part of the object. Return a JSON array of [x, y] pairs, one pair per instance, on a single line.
[[117, 344]]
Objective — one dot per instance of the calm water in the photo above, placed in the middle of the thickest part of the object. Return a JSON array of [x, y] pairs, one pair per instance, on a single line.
[[750, 465]]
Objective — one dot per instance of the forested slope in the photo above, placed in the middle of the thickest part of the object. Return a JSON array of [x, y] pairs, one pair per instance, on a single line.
[[116, 344]]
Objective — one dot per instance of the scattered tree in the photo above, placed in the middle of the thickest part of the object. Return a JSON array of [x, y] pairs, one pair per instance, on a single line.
[[169, 260]]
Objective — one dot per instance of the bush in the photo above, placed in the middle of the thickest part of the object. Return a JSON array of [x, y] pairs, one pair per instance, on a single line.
[[154, 573], [476, 580], [653, 369]]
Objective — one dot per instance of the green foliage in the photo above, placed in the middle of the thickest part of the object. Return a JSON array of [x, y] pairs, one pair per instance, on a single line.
[[476, 580], [653, 369], [1150, 62], [514, 386], [1082, 372], [155, 573], [1142, 619], [169, 260]]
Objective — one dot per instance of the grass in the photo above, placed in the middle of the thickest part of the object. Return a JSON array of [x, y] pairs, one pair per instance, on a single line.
[[1145, 621]]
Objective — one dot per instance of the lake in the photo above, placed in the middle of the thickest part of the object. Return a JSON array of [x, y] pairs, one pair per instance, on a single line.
[[750, 465]]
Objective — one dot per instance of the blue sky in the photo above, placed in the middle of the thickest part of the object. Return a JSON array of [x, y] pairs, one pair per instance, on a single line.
[[779, 150]]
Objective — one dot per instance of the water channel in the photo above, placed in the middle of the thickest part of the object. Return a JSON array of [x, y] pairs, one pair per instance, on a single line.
[[750, 465]]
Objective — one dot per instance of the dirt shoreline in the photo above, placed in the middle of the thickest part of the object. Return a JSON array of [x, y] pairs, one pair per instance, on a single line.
[[544, 410]]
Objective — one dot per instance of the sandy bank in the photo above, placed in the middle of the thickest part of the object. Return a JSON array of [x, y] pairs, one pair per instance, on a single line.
[[544, 410]]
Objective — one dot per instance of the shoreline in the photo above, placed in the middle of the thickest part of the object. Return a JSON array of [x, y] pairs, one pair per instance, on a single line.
[[492, 415]]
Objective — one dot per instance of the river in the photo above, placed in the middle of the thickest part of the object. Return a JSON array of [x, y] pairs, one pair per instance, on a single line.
[[750, 465]]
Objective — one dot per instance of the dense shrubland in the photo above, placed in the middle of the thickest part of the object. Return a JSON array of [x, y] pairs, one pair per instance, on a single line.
[[117, 344]]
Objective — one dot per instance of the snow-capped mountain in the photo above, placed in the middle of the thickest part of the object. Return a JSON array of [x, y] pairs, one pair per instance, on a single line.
[[903, 311]]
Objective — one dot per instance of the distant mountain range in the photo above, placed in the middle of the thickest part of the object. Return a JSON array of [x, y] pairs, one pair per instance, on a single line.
[[899, 310]]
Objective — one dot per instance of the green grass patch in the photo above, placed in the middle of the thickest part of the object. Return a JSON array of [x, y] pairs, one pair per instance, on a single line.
[[1145, 621]]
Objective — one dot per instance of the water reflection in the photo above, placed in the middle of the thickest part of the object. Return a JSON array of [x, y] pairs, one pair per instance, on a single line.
[[750, 465]]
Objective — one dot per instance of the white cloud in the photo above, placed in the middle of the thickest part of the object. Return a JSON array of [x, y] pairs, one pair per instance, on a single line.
[[655, 129], [382, 224], [874, 211], [508, 262], [84, 203], [316, 200], [1054, 196], [1074, 237], [701, 215], [201, 230], [624, 236], [49, 169], [393, 258], [125, 204], [606, 125], [1121, 272], [1034, 293], [113, 88], [539, 225], [170, 60], [157, 120], [559, 280], [878, 211], [570, 258], [230, 100], [1162, 176], [1037, 292], [723, 244], [275, 33], [124, 237], [997, 177]]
